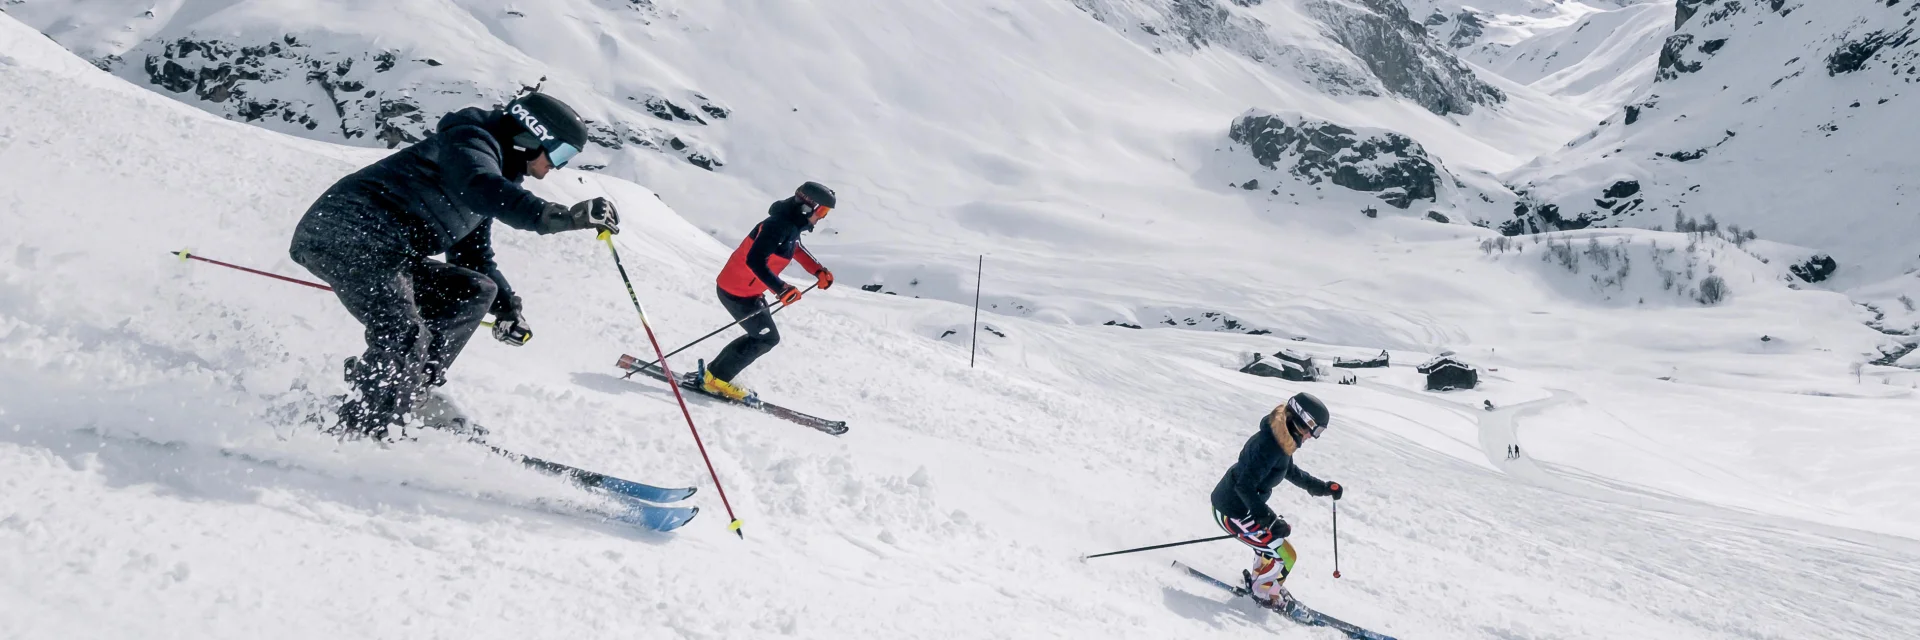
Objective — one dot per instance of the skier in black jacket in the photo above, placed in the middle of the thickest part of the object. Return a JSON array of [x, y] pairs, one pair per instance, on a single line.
[[1240, 499], [371, 233]]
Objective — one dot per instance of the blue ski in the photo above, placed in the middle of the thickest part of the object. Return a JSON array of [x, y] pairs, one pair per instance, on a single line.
[[592, 480], [1293, 610], [655, 518]]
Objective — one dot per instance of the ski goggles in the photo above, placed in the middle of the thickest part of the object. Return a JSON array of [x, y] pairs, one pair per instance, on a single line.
[[558, 152], [1301, 421], [820, 212]]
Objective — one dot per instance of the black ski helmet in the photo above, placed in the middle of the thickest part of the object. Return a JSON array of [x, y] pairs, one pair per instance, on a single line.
[[548, 124], [816, 194], [1307, 414]]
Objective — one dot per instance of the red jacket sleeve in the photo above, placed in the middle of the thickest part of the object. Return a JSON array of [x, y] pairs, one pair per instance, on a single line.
[[805, 257]]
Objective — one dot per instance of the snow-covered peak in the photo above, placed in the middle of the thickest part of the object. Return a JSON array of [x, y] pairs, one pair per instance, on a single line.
[[1788, 118]]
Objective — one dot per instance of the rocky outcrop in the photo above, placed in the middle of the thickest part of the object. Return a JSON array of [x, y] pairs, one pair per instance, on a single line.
[[1391, 166], [1387, 52], [248, 83], [376, 98], [1403, 55], [1468, 28], [1815, 269]]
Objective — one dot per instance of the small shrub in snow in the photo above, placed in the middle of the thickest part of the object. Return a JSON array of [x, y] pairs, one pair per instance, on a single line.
[[1712, 290]]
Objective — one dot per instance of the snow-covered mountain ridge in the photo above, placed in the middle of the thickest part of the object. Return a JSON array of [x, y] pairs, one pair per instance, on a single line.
[[1783, 117]]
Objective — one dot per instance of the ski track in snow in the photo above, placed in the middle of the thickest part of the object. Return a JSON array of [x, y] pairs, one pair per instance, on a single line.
[[959, 503]]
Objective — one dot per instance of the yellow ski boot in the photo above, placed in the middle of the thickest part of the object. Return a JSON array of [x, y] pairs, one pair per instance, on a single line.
[[724, 389]]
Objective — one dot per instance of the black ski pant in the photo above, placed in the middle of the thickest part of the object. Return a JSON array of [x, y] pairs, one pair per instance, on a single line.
[[761, 336], [418, 313]]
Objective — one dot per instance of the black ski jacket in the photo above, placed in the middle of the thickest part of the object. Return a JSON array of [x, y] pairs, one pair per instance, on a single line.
[[1244, 490], [448, 188]]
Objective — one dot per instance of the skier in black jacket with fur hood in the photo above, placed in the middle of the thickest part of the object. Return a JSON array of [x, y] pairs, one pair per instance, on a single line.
[[371, 234], [1240, 499]]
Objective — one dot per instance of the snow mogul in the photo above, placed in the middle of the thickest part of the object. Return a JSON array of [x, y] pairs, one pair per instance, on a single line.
[[754, 270], [371, 234], [1240, 499]]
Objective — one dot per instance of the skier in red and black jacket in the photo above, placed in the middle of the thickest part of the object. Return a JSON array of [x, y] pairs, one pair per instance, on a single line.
[[753, 270]]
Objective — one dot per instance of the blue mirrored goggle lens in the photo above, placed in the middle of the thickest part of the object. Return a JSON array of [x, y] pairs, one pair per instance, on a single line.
[[560, 153]]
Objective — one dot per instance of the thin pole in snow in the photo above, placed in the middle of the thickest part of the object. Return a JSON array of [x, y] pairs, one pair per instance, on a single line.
[[978, 274]]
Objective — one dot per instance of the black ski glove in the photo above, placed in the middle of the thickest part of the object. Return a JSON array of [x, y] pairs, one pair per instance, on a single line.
[[1273, 523], [508, 326], [1330, 489], [597, 213]]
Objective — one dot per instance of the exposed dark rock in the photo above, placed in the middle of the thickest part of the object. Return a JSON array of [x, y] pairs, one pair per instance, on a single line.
[[1684, 10], [1853, 55], [1251, 185], [229, 75], [1438, 217], [1436, 19], [1671, 62], [1405, 58], [1396, 53], [1623, 188], [665, 109], [1815, 269], [1469, 27], [1389, 165], [1117, 323]]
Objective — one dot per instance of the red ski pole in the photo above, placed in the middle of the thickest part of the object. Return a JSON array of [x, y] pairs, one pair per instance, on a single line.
[[733, 526], [186, 255]]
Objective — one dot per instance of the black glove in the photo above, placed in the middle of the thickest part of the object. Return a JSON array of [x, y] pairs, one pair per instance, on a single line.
[[597, 213], [508, 326], [1273, 523], [1330, 489]]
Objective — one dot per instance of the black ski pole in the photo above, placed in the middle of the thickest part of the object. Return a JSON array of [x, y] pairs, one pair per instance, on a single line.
[[769, 310], [979, 273], [1336, 538], [1157, 546]]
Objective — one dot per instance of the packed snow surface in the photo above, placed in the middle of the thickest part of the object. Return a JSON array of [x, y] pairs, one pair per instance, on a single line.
[[1689, 470]]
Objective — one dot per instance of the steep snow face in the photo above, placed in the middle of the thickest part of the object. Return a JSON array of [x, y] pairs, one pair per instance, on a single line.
[[1789, 118]]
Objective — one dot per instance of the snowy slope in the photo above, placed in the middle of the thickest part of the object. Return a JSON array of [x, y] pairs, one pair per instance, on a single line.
[[1786, 118], [718, 106], [1601, 60], [961, 500]]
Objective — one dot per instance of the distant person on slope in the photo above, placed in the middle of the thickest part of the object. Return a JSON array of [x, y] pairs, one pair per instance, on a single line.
[[753, 270], [371, 233], [1240, 500]]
